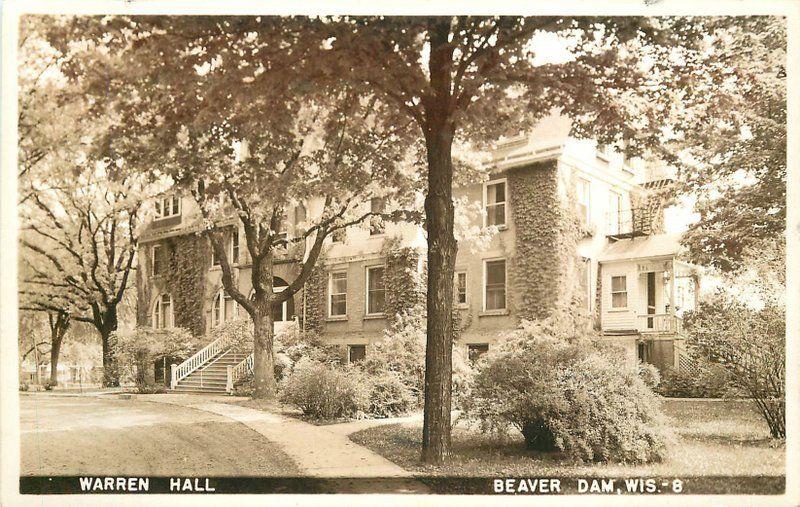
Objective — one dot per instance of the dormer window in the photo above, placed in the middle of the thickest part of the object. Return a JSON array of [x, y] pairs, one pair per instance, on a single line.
[[169, 206]]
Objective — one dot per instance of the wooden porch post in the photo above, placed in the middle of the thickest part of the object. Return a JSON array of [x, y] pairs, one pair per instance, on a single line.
[[672, 278]]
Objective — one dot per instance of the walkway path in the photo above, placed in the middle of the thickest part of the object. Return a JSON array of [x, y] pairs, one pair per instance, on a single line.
[[319, 451]]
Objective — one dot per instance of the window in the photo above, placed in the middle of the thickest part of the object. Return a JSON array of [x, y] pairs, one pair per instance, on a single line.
[[377, 205], [495, 199], [156, 261], [339, 235], [582, 192], [168, 206], [223, 309], [476, 350], [619, 292], [162, 312], [495, 272], [376, 292], [235, 246], [214, 259], [337, 290], [461, 288], [614, 205], [356, 353], [218, 310], [299, 215], [280, 313]]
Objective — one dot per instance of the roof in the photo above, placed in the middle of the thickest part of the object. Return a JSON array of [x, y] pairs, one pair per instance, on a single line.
[[656, 245]]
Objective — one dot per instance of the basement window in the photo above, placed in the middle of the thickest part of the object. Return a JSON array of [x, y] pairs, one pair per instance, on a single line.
[[356, 353]]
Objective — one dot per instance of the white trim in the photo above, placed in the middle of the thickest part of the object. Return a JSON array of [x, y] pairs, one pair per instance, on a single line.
[[486, 184], [153, 259], [617, 226], [505, 284], [366, 290], [160, 215], [589, 292], [331, 294], [611, 287], [235, 234], [578, 180], [222, 297], [156, 313], [465, 304]]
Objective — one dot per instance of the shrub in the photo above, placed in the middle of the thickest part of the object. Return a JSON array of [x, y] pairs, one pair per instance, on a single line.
[[707, 381], [750, 344], [238, 333], [298, 345], [388, 395], [243, 389], [649, 375], [551, 381], [151, 389], [137, 349], [401, 351], [325, 391]]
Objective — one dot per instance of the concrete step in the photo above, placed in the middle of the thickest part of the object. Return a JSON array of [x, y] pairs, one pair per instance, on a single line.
[[205, 381], [206, 376], [197, 390]]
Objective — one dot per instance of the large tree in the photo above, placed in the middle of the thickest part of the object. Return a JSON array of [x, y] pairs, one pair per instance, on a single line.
[[42, 297], [79, 214], [731, 144], [477, 78], [81, 239], [226, 109]]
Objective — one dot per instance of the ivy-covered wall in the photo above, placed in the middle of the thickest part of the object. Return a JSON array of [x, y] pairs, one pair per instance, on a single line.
[[547, 237], [404, 283], [185, 260], [190, 258], [314, 292]]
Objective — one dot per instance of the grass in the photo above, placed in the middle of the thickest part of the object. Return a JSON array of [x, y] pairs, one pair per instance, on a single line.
[[713, 442]]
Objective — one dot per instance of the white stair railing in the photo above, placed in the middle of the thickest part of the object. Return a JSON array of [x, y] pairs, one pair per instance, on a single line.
[[202, 356], [238, 372]]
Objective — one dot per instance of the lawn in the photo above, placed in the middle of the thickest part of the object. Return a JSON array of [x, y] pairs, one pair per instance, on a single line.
[[713, 441]]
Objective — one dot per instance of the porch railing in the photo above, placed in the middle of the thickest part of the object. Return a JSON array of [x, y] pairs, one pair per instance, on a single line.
[[634, 221], [238, 372], [184, 369], [660, 323]]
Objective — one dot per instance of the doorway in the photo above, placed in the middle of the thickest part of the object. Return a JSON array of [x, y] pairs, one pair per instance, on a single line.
[[651, 298]]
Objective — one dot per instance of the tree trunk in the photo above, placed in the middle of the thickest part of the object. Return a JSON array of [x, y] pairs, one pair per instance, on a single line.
[[442, 247], [59, 324], [264, 385], [55, 349], [110, 367]]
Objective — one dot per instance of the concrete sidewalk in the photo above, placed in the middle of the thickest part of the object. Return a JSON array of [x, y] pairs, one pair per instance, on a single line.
[[319, 451]]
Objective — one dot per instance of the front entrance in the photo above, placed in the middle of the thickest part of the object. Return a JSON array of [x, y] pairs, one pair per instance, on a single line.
[[651, 298]]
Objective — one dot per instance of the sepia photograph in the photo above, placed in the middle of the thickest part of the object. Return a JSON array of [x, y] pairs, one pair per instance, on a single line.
[[420, 254]]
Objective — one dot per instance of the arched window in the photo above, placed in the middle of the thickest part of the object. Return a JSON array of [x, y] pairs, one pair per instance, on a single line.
[[162, 312], [223, 309]]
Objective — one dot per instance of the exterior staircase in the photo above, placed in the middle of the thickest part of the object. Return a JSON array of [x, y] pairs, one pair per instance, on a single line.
[[217, 367], [212, 376]]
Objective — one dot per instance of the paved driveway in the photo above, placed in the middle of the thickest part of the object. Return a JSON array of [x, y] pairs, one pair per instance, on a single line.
[[110, 436]]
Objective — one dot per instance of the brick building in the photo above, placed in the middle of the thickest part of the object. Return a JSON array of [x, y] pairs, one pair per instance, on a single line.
[[574, 222]]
